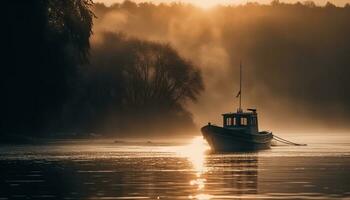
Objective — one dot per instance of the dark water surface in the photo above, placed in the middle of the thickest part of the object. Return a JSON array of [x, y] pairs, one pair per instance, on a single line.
[[320, 170]]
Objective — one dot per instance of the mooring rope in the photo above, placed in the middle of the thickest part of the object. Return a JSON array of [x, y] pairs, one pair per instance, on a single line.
[[279, 139]]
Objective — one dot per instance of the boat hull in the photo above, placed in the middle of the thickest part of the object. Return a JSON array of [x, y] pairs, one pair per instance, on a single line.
[[230, 140]]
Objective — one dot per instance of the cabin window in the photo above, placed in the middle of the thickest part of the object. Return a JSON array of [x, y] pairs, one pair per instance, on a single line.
[[228, 121], [244, 121], [231, 121]]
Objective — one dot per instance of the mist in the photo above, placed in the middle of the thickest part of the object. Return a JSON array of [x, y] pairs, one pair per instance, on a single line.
[[80, 68], [136, 88], [59, 82], [295, 57]]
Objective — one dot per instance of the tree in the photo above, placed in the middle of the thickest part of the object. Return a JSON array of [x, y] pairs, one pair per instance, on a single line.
[[329, 5], [275, 3], [45, 41], [310, 4], [160, 77], [132, 83]]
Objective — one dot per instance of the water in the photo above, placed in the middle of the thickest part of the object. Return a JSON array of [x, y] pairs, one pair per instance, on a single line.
[[175, 171]]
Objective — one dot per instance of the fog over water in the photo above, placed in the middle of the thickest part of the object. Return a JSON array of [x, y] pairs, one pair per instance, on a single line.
[[295, 57]]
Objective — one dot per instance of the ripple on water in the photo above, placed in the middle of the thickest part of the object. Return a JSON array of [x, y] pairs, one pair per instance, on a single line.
[[172, 172]]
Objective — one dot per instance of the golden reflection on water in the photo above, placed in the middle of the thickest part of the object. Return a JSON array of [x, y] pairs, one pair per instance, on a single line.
[[201, 197], [196, 153]]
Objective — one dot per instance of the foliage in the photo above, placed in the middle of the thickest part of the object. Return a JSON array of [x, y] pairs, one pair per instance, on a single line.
[[49, 85], [131, 80], [45, 41]]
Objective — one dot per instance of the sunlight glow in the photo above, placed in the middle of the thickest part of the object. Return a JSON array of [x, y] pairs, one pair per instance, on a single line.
[[200, 182], [201, 197], [195, 152]]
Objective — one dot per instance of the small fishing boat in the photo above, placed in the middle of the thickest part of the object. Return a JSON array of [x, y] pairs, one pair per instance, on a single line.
[[239, 132]]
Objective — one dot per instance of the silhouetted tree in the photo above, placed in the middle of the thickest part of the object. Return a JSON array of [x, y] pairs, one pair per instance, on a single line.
[[275, 3], [129, 5], [309, 4], [133, 83], [329, 5], [298, 4], [45, 40], [160, 76]]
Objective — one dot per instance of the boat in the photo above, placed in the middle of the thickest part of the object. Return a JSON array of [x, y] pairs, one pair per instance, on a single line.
[[239, 132]]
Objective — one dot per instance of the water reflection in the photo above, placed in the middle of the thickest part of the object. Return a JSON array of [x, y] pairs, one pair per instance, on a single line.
[[234, 175], [110, 171], [239, 174], [196, 152]]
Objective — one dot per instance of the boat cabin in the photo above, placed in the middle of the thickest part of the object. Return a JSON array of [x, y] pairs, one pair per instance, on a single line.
[[242, 120]]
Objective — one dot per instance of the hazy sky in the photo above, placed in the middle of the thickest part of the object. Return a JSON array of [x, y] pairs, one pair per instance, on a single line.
[[209, 3], [287, 56]]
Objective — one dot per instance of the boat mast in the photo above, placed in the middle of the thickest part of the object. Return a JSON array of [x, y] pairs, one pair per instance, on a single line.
[[240, 87]]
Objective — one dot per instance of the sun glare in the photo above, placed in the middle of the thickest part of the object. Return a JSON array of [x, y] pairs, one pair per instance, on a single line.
[[195, 152], [201, 197]]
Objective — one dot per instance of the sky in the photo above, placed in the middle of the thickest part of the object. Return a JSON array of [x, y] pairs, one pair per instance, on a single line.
[[210, 3]]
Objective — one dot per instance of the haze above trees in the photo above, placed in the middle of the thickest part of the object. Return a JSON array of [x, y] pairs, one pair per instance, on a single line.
[[295, 56]]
